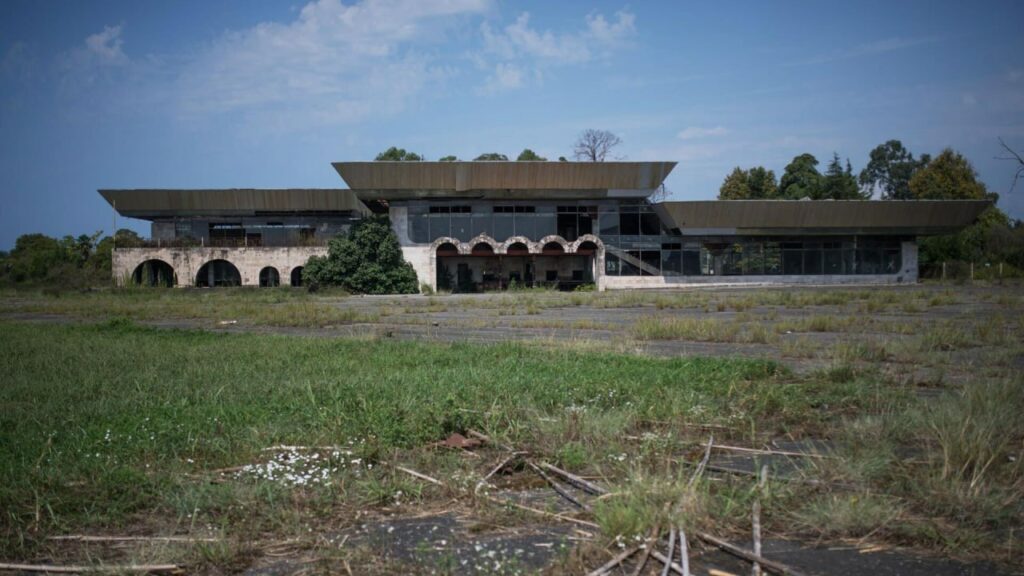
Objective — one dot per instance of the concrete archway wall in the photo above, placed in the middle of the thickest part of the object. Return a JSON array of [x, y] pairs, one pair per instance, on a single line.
[[186, 262]]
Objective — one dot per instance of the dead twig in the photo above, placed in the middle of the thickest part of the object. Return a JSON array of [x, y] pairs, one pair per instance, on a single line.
[[558, 488], [770, 452], [684, 553], [703, 463], [506, 502], [87, 538], [607, 566], [71, 569], [669, 564], [671, 551], [489, 440], [652, 541], [575, 480], [771, 565], [756, 518], [416, 474]]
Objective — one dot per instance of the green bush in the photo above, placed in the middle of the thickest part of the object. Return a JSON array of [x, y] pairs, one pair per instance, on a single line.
[[367, 260]]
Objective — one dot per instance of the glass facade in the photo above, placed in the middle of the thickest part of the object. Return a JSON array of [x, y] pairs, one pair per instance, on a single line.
[[637, 244]]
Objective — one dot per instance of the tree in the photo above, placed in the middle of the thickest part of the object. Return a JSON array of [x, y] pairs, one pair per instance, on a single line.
[[366, 260], [448, 158], [839, 183], [949, 176], [594, 145], [1013, 157], [394, 154], [735, 186], [491, 157], [801, 178], [528, 155], [763, 185], [889, 170]]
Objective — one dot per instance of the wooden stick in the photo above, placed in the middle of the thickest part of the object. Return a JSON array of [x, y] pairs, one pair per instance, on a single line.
[[770, 452], [504, 502], [558, 488], [489, 440], [772, 565], [756, 519], [501, 465], [704, 462], [98, 568], [607, 566], [87, 538], [671, 551], [651, 542], [684, 553], [664, 560], [575, 480], [416, 474]]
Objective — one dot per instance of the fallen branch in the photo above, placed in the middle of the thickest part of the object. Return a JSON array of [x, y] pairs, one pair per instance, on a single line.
[[145, 568], [87, 538], [756, 518], [770, 452], [772, 565], [671, 551], [669, 565], [703, 463], [607, 566], [416, 474], [651, 542], [684, 553], [507, 502], [489, 440], [558, 488], [575, 480], [287, 448]]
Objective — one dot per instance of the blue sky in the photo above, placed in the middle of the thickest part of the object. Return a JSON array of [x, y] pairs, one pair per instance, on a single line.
[[251, 93]]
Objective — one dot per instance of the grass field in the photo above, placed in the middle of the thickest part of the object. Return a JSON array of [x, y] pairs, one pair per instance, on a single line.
[[115, 427]]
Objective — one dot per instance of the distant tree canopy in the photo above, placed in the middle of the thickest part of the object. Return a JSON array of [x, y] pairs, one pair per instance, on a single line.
[[528, 155], [801, 178], [889, 171], [839, 183], [757, 183], [491, 157], [366, 260], [68, 262], [449, 158], [949, 176], [394, 154], [595, 145]]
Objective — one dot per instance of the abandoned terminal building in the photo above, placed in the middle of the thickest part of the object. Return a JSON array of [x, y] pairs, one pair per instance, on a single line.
[[474, 226]]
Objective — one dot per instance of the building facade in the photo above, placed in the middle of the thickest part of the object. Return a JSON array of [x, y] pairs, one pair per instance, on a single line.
[[477, 226]]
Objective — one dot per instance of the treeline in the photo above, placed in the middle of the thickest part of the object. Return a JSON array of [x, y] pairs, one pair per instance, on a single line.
[[894, 173], [395, 154], [64, 263]]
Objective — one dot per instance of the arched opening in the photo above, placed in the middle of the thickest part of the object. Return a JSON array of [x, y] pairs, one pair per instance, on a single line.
[[154, 273], [218, 273], [297, 276], [447, 249], [482, 249], [518, 249], [586, 248], [552, 249], [269, 277]]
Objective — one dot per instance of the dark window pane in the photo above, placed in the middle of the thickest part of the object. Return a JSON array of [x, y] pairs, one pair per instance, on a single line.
[[691, 262], [792, 262], [671, 262], [812, 261], [629, 224], [440, 226], [504, 227], [611, 264], [462, 227], [609, 224], [650, 224]]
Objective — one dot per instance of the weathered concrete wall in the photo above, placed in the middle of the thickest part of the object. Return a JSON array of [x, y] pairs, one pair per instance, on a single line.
[[186, 262]]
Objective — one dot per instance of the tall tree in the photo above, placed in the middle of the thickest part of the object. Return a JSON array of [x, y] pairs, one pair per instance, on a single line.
[[839, 183], [889, 170], [594, 145], [528, 155], [949, 176], [394, 154], [801, 179], [491, 157], [735, 186], [762, 183]]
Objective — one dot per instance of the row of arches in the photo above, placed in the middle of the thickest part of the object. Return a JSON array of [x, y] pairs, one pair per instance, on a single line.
[[214, 273], [484, 245]]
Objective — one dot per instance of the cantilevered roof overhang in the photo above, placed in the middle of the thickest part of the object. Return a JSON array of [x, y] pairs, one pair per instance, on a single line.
[[149, 204], [805, 217], [502, 180]]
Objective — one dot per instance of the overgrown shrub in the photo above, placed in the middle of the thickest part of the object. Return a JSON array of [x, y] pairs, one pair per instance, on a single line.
[[366, 260]]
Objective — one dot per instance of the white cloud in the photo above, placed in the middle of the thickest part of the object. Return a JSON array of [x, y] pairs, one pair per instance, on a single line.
[[506, 76], [696, 132], [335, 63], [105, 47], [535, 50]]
